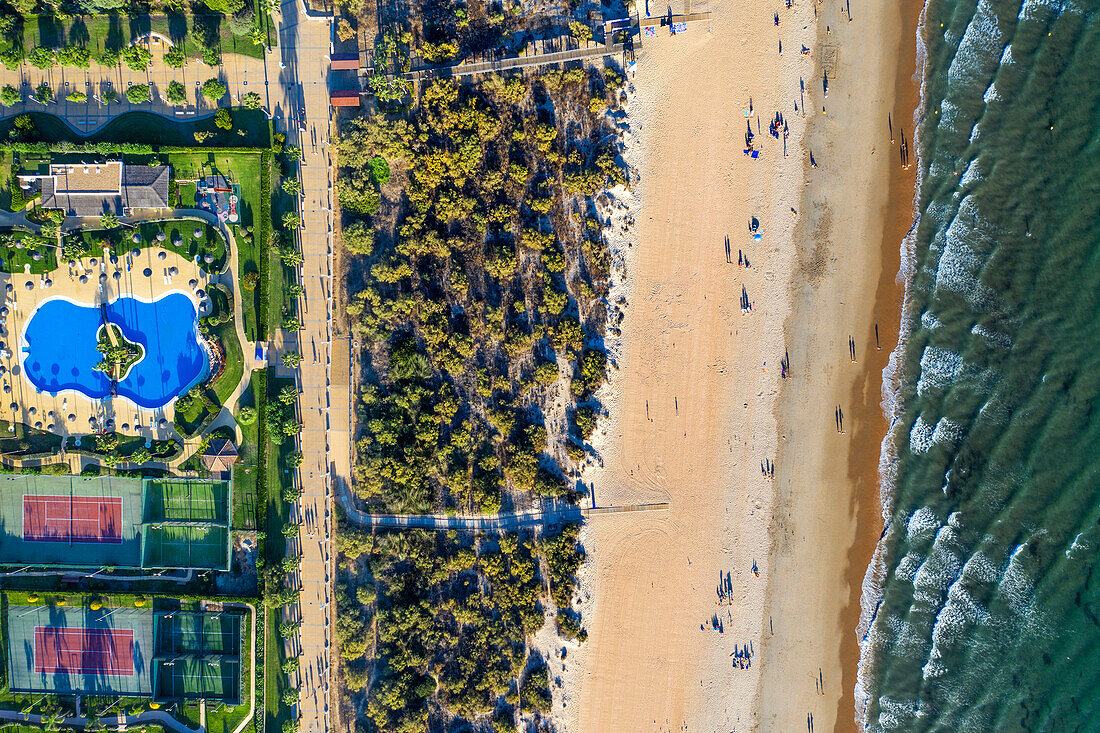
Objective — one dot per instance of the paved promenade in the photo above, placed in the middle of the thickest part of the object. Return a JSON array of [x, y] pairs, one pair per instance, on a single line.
[[324, 409]]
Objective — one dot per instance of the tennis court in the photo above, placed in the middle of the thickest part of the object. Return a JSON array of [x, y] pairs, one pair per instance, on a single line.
[[187, 632], [68, 518], [186, 500], [83, 651], [115, 522], [199, 677], [80, 651], [185, 546]]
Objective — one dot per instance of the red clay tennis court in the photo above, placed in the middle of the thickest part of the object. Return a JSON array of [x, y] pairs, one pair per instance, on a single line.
[[83, 651], [72, 519]]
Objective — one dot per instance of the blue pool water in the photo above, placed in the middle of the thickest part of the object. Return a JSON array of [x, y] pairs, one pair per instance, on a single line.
[[60, 345]]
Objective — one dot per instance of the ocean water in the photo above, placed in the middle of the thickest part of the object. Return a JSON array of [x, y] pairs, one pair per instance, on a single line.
[[982, 609]]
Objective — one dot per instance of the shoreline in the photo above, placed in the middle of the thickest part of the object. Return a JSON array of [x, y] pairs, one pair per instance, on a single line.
[[848, 515], [889, 310]]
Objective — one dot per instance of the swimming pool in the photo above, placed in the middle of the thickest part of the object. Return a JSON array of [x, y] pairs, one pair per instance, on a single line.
[[60, 337]]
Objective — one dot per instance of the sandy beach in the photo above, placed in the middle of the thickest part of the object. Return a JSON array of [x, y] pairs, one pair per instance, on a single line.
[[697, 401]]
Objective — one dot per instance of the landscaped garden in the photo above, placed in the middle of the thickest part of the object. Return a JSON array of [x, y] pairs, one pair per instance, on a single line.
[[266, 263], [47, 40]]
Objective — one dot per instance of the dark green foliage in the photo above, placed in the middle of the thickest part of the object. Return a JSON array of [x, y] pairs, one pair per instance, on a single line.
[[535, 692], [452, 619], [563, 557], [471, 272]]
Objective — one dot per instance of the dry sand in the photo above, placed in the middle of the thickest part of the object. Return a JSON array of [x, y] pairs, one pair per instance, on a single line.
[[697, 401]]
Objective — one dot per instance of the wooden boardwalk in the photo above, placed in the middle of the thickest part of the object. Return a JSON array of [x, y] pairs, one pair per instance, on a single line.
[[521, 62], [551, 513]]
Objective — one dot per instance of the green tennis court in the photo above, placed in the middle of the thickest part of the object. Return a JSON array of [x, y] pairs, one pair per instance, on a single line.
[[186, 500], [199, 677], [186, 632], [106, 521]]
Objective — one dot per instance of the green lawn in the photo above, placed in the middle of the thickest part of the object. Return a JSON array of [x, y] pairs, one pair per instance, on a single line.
[[96, 32], [146, 128], [244, 169], [274, 679], [120, 240], [16, 258], [246, 473]]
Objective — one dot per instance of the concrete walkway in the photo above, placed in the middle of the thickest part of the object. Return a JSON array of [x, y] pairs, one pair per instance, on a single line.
[[324, 407]]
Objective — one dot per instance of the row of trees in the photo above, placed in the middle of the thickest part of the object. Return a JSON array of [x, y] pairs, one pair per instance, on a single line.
[[175, 93]]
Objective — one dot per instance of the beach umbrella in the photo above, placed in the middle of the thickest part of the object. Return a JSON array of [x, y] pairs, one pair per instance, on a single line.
[[49, 427], [118, 274], [109, 424], [173, 271], [201, 293], [36, 256], [48, 283], [198, 233], [193, 283], [91, 421], [136, 238], [93, 262], [72, 417], [7, 389], [19, 244], [28, 285], [136, 252], [8, 288], [147, 272], [38, 425], [32, 410], [14, 405], [125, 426], [162, 424], [161, 236], [209, 259], [50, 414], [3, 312], [103, 277], [114, 259], [83, 279], [72, 263], [177, 241], [162, 255]]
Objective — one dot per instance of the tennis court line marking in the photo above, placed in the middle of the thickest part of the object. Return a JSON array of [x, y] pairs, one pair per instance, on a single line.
[[45, 501]]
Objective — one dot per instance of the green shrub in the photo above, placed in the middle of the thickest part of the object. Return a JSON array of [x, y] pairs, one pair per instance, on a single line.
[[136, 58], [176, 93], [42, 58], [138, 94], [213, 89]]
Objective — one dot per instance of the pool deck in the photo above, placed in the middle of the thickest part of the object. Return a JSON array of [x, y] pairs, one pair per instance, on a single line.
[[71, 413]]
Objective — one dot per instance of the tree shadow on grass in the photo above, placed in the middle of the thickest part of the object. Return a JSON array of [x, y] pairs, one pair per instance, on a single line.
[[139, 26], [177, 28], [115, 40], [49, 32], [78, 33]]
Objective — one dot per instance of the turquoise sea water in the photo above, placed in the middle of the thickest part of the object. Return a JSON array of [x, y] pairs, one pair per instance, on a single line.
[[984, 602]]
